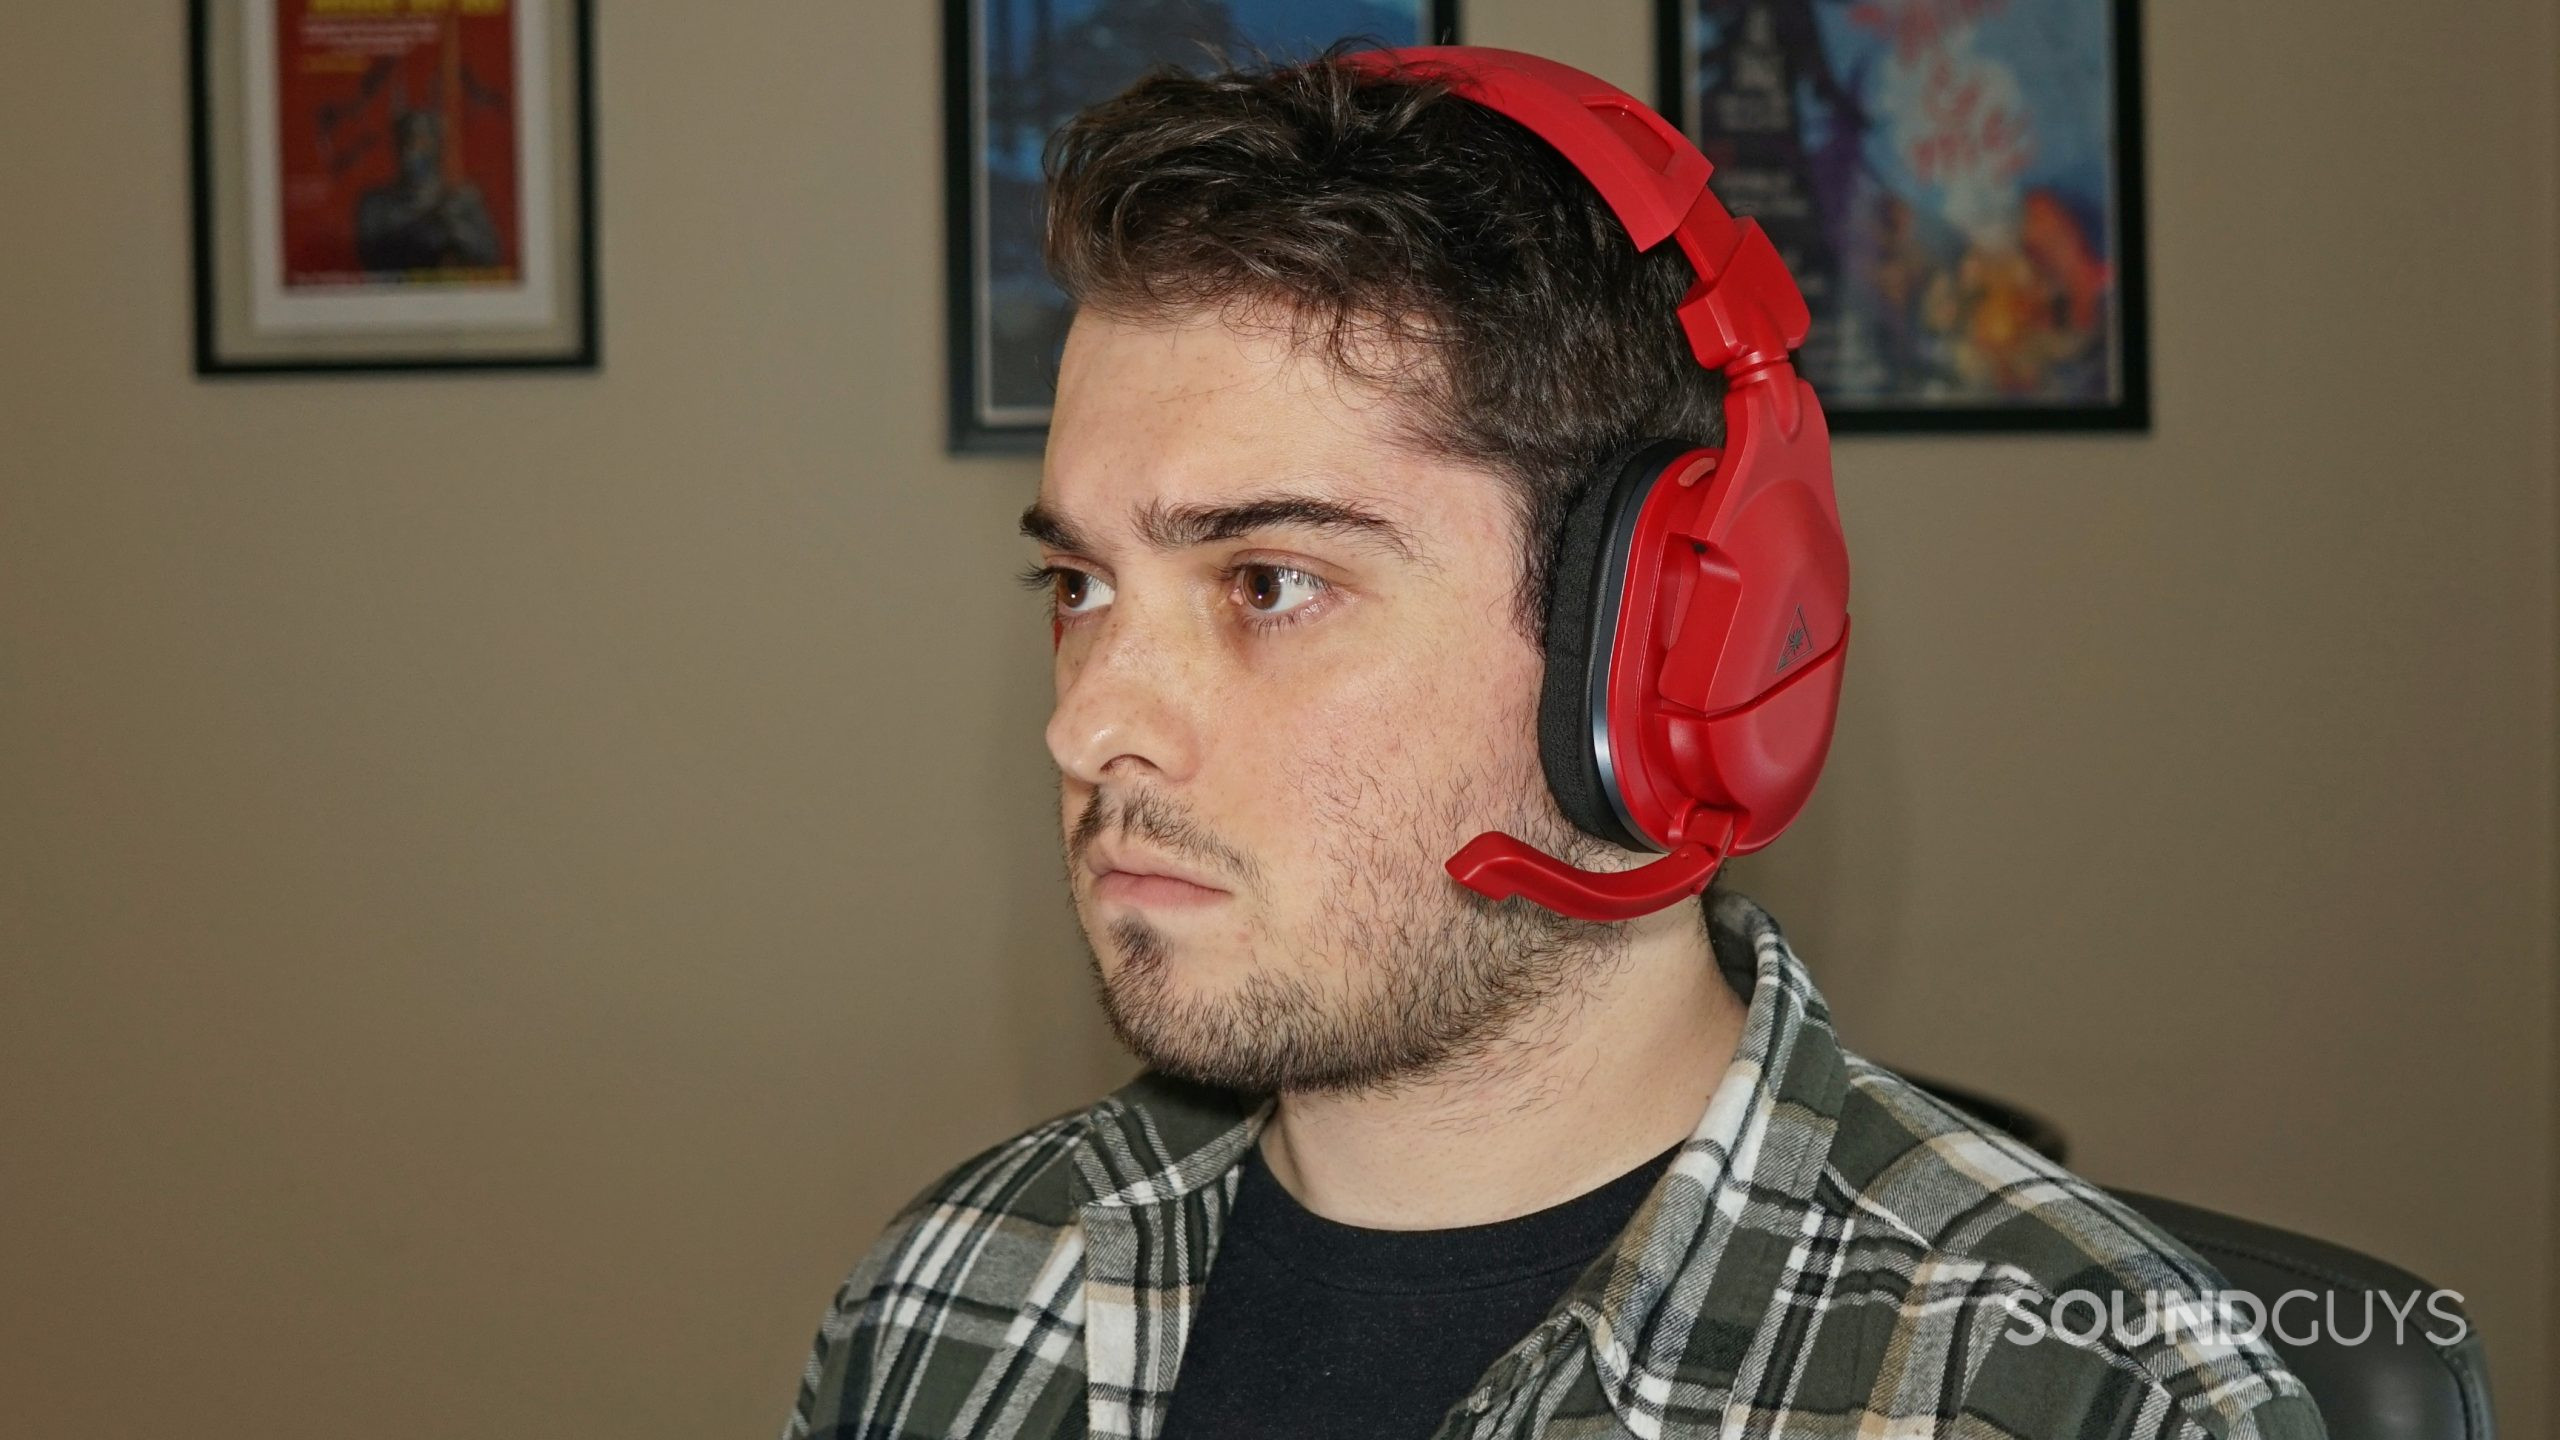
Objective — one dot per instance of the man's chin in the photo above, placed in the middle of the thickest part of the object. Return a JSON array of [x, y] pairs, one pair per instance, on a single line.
[[1168, 966], [1246, 1031], [1180, 1010], [1207, 1055]]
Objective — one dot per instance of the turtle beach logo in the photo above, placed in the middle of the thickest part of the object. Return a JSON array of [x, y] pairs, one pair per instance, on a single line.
[[1799, 644]]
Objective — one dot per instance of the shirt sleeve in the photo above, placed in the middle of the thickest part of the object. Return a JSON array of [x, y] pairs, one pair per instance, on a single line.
[[839, 1359]]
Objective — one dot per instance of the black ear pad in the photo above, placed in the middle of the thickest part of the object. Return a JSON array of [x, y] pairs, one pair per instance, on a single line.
[[1582, 621]]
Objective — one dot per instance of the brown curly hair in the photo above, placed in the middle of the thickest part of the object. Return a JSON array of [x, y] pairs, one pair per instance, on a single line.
[[1418, 240]]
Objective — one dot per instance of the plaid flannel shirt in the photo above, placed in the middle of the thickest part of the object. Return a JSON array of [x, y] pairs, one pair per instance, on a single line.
[[1832, 1253]]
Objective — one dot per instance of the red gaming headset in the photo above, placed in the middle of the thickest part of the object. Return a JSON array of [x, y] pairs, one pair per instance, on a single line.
[[1700, 615]]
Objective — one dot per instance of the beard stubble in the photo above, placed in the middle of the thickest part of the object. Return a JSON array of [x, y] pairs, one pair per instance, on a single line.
[[1399, 976]]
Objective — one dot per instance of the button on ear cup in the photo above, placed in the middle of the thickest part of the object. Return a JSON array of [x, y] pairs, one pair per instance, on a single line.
[[1582, 615]]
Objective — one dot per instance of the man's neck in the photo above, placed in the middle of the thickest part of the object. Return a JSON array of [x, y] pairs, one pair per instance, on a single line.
[[1571, 1098]]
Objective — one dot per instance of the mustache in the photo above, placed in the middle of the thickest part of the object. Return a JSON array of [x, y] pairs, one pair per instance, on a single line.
[[1158, 821]]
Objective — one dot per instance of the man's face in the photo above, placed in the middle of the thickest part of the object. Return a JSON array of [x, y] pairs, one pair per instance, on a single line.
[[421, 147], [1288, 673]]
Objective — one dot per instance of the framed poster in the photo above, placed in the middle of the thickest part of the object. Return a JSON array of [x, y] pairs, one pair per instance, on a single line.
[[392, 185], [1957, 184], [1014, 70]]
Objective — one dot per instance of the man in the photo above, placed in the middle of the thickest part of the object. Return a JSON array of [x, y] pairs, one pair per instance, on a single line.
[[419, 220], [1405, 1162]]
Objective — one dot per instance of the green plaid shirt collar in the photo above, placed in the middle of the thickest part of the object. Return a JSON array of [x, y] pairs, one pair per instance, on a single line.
[[1832, 1251], [1668, 1308]]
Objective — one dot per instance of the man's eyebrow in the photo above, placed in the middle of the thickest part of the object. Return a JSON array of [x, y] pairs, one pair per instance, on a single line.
[[1175, 527], [1050, 528]]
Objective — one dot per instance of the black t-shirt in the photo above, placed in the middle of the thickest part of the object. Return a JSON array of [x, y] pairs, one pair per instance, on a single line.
[[1312, 1329]]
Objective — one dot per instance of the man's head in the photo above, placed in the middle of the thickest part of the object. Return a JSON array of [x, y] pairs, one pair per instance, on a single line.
[[420, 138], [1347, 349]]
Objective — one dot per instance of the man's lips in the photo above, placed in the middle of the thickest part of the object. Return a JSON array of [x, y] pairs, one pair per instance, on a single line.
[[1128, 887], [1137, 878]]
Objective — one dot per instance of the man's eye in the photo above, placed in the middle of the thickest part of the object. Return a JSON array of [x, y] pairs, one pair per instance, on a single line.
[[1080, 592], [1275, 589]]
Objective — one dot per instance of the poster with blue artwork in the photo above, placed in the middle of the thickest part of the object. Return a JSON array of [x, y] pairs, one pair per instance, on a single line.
[[1956, 185], [1014, 71]]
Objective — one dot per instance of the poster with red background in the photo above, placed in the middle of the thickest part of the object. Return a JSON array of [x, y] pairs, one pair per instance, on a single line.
[[396, 126]]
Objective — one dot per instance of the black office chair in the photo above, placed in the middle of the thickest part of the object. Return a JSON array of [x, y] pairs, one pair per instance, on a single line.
[[2389, 1386]]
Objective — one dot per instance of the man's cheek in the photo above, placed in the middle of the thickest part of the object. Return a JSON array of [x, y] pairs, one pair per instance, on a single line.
[[1376, 724]]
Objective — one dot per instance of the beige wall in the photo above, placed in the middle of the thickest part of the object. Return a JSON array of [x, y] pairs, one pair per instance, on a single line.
[[504, 881]]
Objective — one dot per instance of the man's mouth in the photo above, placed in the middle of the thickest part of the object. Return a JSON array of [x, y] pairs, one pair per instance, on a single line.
[[1129, 887], [1134, 877]]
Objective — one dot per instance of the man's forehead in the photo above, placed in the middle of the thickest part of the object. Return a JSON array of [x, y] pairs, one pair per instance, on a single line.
[[1169, 433]]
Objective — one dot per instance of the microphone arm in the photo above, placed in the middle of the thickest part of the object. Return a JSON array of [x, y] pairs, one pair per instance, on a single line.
[[1499, 866]]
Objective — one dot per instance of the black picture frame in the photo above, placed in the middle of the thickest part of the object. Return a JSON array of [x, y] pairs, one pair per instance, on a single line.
[[225, 346], [2128, 405], [989, 413]]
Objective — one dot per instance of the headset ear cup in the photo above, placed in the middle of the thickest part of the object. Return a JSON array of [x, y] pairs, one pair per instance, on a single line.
[[1564, 697], [1579, 607]]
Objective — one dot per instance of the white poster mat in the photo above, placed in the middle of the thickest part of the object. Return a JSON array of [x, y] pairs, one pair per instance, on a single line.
[[532, 301]]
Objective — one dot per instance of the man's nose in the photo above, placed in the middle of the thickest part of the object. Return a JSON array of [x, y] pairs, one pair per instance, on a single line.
[[1126, 696]]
